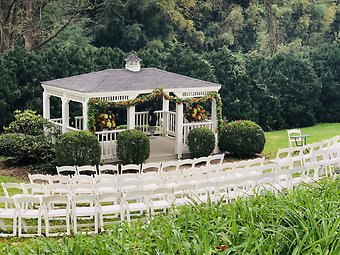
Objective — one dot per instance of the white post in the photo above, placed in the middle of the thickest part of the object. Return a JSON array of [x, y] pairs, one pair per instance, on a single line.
[[85, 114], [179, 130], [131, 117], [215, 121], [46, 105], [165, 116], [65, 115]]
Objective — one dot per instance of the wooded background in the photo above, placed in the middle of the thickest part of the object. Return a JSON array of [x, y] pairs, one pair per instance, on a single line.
[[277, 61]]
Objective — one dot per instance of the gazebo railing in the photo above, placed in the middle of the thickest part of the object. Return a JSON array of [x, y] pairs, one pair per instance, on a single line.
[[107, 140], [142, 121], [170, 120], [189, 126]]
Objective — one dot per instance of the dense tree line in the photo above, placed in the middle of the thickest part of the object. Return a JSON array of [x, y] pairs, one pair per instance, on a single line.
[[291, 88]]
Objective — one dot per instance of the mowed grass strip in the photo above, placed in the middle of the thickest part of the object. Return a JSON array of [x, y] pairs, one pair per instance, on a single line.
[[303, 221], [279, 139]]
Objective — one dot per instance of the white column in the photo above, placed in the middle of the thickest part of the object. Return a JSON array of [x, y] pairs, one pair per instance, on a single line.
[[215, 121], [131, 117], [46, 105], [179, 130], [85, 114], [65, 115], [165, 116]]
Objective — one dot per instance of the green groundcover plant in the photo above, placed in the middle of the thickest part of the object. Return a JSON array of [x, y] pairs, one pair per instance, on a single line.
[[303, 221]]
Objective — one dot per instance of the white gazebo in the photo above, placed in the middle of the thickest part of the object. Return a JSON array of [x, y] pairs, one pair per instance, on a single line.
[[115, 85]]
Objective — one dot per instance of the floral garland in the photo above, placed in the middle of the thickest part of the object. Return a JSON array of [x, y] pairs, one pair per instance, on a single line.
[[105, 121], [96, 106], [195, 113]]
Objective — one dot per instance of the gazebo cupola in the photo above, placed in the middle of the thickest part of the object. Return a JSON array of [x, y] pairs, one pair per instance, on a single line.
[[132, 63], [126, 88]]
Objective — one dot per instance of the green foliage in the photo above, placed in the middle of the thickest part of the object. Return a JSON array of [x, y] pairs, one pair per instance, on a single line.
[[304, 220], [201, 142], [26, 149], [29, 123], [77, 148], [133, 147], [242, 138]]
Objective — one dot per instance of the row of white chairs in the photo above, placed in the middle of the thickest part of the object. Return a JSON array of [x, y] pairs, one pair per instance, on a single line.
[[142, 168], [107, 208]]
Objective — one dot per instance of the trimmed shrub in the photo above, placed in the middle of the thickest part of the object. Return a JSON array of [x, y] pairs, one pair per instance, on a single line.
[[26, 149], [201, 142], [133, 147], [242, 138], [77, 148]]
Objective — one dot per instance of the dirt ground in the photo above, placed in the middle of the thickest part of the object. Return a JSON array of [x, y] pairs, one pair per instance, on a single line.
[[19, 172]]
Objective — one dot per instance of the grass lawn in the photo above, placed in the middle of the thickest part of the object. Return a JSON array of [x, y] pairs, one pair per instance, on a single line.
[[279, 139]]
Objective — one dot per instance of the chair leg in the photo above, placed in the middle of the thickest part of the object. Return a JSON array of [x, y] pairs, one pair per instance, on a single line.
[[15, 224], [96, 223], [67, 225], [75, 225], [39, 226], [47, 226], [19, 227]]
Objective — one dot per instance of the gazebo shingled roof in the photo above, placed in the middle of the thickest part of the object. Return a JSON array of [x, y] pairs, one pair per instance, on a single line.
[[114, 80]]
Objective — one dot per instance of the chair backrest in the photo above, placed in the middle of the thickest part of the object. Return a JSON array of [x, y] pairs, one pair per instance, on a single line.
[[216, 159], [200, 162], [35, 202], [12, 188], [82, 179], [130, 168], [185, 164], [81, 200], [113, 197], [291, 132], [103, 188], [151, 167], [87, 169], [108, 169], [169, 166], [62, 201], [39, 178], [63, 179], [106, 178], [32, 189], [57, 189], [81, 188], [66, 170]]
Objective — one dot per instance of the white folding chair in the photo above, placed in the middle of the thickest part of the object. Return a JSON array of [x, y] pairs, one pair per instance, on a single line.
[[183, 194], [107, 178], [87, 170], [184, 164], [83, 179], [108, 169], [291, 141], [110, 207], [105, 187], [57, 214], [34, 211], [130, 168], [216, 160], [227, 190], [151, 167], [81, 188], [130, 185], [84, 207], [12, 189], [151, 180], [200, 162], [160, 200], [8, 211], [169, 166], [61, 179], [174, 181], [66, 170], [206, 192], [136, 202], [34, 189], [39, 178], [57, 189]]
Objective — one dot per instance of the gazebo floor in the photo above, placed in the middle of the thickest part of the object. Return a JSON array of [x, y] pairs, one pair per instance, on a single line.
[[162, 148]]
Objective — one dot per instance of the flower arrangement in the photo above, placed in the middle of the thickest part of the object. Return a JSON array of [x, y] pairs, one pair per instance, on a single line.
[[195, 113], [105, 121]]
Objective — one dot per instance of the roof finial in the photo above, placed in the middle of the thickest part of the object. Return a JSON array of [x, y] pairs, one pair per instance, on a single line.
[[133, 63]]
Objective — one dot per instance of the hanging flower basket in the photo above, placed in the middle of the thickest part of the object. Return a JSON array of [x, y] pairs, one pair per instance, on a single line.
[[105, 121], [195, 113]]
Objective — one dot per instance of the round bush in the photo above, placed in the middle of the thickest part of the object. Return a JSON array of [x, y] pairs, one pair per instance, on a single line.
[[133, 147], [201, 142], [242, 138], [77, 148]]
